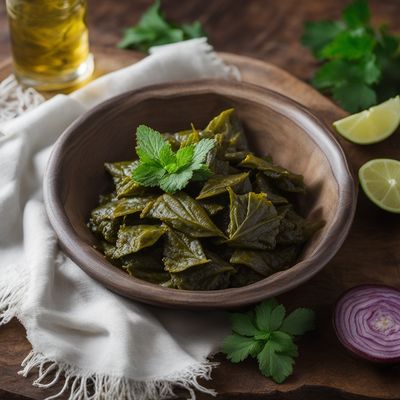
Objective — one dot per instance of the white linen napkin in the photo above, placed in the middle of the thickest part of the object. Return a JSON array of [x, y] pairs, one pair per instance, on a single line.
[[80, 331]]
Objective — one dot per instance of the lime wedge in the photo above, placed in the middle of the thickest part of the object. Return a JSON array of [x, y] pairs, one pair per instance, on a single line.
[[380, 180], [372, 125]]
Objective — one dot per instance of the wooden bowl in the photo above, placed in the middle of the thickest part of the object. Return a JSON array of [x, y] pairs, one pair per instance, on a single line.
[[274, 124]]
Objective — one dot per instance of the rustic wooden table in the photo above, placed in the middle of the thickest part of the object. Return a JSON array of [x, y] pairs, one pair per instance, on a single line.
[[268, 30]]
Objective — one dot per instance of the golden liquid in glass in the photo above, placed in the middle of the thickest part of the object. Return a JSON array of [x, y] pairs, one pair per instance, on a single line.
[[49, 40]]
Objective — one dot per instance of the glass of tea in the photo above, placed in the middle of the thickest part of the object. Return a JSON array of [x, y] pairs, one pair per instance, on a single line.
[[49, 42]]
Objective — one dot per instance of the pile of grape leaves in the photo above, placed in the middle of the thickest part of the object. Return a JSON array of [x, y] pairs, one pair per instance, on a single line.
[[234, 228]]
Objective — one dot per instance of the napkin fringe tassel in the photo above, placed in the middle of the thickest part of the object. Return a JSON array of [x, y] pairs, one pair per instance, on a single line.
[[15, 100], [88, 386], [12, 290]]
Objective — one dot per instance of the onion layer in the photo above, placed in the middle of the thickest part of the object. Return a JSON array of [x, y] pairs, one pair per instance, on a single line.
[[367, 322]]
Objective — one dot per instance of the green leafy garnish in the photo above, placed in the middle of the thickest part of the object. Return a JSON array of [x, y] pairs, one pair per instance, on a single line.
[[154, 30], [267, 335], [360, 60], [161, 166]]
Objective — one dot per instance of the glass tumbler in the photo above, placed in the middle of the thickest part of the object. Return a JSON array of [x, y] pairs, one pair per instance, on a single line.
[[49, 41]]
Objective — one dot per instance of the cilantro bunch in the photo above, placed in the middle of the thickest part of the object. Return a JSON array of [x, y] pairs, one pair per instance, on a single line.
[[361, 63], [153, 30], [160, 166], [267, 335]]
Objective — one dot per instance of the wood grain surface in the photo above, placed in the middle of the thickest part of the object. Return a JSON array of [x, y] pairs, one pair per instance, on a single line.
[[268, 30]]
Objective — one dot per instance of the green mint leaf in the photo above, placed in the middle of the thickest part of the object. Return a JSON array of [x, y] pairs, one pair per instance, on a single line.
[[237, 348], [275, 365], [148, 174], [193, 30], [349, 45], [299, 322], [201, 149], [202, 174], [154, 30], [149, 144], [264, 313], [354, 97], [167, 158], [356, 14], [171, 183], [243, 324], [184, 156], [284, 343], [318, 34]]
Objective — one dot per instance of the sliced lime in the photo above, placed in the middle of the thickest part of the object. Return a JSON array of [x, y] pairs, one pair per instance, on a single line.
[[372, 125], [380, 180]]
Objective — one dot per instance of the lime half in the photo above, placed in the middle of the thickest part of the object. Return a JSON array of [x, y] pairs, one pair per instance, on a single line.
[[380, 180], [372, 125]]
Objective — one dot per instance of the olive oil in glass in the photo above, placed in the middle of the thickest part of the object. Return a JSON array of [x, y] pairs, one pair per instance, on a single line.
[[50, 43]]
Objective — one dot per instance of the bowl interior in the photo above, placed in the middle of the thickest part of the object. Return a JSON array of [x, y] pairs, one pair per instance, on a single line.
[[274, 125]]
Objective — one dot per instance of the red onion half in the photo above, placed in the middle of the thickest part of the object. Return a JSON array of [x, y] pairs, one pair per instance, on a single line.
[[367, 322]]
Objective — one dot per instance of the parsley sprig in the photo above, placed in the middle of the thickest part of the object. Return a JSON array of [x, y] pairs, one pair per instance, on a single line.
[[361, 63], [153, 30], [267, 335], [161, 166]]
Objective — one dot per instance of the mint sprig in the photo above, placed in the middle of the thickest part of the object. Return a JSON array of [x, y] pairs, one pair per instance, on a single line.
[[267, 335], [153, 29], [359, 59], [161, 166]]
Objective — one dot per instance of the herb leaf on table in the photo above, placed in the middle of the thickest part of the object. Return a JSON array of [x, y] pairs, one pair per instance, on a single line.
[[153, 30], [359, 60], [267, 335]]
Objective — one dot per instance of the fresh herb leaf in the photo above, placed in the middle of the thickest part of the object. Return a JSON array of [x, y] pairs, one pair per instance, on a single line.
[[242, 324], [349, 45], [356, 14], [148, 174], [153, 30], [201, 150], [161, 166], [318, 34], [362, 62], [267, 335], [149, 144], [354, 96], [299, 322], [238, 348], [274, 365]]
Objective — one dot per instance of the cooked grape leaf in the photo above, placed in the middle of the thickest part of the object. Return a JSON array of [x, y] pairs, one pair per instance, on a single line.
[[211, 276], [244, 276], [103, 212], [236, 156], [184, 214], [147, 265], [229, 127], [283, 179], [254, 221], [182, 252], [218, 184], [295, 229], [264, 262], [211, 207], [131, 205], [128, 187], [120, 170], [262, 185], [107, 229], [137, 237]]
